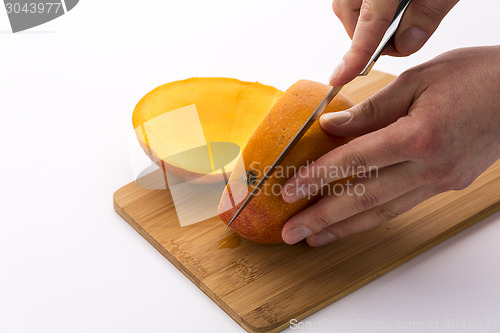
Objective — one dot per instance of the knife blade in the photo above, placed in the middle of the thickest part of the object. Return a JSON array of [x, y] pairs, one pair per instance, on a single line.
[[393, 26]]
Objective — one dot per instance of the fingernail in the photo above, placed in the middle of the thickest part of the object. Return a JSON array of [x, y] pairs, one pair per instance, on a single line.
[[297, 234], [337, 70], [412, 39], [289, 189], [322, 238], [337, 118]]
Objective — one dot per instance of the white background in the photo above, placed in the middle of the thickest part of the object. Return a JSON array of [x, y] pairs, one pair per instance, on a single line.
[[69, 263]]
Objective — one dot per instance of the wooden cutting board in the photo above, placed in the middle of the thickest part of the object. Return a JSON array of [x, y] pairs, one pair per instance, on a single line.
[[263, 287]]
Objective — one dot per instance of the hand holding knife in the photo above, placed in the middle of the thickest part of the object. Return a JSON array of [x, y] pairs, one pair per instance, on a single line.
[[403, 4]]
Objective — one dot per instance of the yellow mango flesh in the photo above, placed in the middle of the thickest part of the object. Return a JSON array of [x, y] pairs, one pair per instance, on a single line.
[[176, 123]]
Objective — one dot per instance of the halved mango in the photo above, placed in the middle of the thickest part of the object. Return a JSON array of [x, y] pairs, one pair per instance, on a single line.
[[262, 220], [196, 128]]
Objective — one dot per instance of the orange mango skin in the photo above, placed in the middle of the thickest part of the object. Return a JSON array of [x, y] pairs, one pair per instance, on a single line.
[[262, 220]]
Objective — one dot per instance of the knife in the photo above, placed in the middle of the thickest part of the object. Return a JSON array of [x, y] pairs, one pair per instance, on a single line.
[[393, 26]]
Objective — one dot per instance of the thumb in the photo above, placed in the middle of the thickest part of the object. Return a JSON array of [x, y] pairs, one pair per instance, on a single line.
[[378, 111], [420, 21]]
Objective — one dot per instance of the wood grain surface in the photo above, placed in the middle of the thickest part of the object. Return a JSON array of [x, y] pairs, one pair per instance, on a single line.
[[263, 287]]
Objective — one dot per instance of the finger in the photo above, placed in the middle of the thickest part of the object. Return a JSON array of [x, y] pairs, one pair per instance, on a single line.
[[376, 112], [420, 21], [374, 19], [348, 12], [371, 218], [353, 198], [374, 150], [391, 50]]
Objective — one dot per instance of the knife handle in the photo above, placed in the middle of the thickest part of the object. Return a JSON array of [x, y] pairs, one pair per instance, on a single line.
[[389, 33]]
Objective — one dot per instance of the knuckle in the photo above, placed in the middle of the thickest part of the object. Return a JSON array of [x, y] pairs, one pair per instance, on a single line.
[[366, 110], [354, 158], [360, 51], [454, 183], [364, 202], [320, 220], [365, 12], [369, 13], [436, 176], [385, 20], [425, 141], [407, 76], [429, 10], [443, 176], [462, 183], [418, 73]]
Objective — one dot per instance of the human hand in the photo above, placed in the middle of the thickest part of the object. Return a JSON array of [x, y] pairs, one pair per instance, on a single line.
[[366, 22], [434, 129]]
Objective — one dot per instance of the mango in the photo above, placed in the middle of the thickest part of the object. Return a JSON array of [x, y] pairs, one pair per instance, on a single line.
[[262, 220]]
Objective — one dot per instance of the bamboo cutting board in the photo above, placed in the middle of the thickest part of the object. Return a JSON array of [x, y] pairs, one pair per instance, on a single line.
[[263, 287]]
